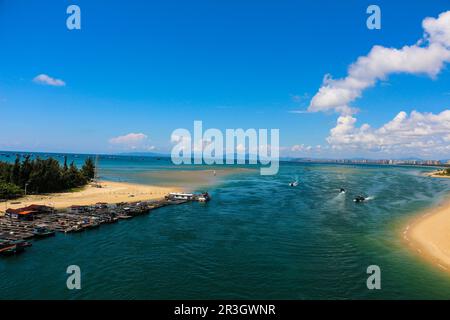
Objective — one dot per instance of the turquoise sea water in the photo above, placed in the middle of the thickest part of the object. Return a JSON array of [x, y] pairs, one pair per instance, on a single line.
[[258, 238]]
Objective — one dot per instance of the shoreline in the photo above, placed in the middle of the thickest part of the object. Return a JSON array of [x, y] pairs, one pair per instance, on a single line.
[[110, 192], [437, 174], [428, 235]]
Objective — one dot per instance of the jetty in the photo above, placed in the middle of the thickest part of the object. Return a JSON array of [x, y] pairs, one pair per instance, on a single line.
[[39, 221]]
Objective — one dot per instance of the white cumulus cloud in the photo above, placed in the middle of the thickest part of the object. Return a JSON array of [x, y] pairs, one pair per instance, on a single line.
[[423, 133], [428, 56], [133, 141], [49, 81]]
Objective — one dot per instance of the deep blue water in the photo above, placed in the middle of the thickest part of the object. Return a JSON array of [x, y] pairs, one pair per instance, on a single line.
[[258, 238]]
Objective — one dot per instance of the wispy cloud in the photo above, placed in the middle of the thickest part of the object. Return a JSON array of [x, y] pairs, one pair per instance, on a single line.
[[129, 138], [132, 141], [49, 81], [301, 101], [299, 111]]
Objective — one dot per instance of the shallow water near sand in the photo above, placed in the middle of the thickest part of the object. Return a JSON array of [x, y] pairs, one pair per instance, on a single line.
[[258, 238]]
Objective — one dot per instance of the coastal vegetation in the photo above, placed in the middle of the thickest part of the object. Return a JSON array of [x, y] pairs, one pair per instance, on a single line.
[[444, 172], [9, 191], [42, 176]]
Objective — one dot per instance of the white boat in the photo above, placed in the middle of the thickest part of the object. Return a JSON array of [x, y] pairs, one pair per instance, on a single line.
[[293, 184], [202, 197], [181, 196]]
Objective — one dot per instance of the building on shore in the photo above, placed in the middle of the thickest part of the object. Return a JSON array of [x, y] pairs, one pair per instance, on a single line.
[[28, 213]]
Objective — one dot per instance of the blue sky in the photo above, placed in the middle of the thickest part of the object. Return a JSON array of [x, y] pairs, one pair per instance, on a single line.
[[151, 67]]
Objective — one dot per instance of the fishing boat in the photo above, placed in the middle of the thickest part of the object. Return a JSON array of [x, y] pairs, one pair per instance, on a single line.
[[109, 220], [92, 225], [22, 243], [113, 220], [10, 249], [74, 229], [41, 231]]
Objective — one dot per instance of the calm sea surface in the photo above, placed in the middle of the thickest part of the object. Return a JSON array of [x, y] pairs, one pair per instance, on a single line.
[[258, 238]]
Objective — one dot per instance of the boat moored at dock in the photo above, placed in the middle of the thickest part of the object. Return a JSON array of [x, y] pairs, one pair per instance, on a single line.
[[11, 248], [201, 197], [47, 220], [41, 231]]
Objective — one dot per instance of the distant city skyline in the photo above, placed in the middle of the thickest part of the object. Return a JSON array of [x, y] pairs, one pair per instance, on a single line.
[[354, 160], [134, 73]]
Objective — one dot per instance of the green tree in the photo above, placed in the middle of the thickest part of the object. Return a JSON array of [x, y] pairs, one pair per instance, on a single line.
[[15, 173], [88, 169], [25, 171], [43, 175], [75, 178], [9, 191], [65, 167], [5, 171]]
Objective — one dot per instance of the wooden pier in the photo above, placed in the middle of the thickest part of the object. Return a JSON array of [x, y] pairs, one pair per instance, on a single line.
[[74, 219]]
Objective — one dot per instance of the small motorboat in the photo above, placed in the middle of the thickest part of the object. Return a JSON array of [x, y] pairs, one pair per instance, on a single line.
[[111, 220], [10, 249], [203, 197], [359, 199], [74, 229], [21, 243], [43, 232], [124, 216], [293, 184], [342, 190]]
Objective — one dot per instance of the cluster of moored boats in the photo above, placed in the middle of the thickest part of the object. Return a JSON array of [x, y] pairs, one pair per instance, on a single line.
[[13, 245], [14, 231], [8, 248]]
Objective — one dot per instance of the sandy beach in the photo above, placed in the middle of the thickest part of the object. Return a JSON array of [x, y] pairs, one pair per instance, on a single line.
[[164, 181], [437, 174], [429, 235], [110, 192]]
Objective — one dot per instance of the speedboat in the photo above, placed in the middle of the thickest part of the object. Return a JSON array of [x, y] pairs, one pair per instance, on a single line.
[[203, 197], [293, 184], [342, 190], [359, 199]]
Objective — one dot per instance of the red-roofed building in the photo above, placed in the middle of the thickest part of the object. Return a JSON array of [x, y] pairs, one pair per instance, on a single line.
[[29, 212], [21, 214]]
